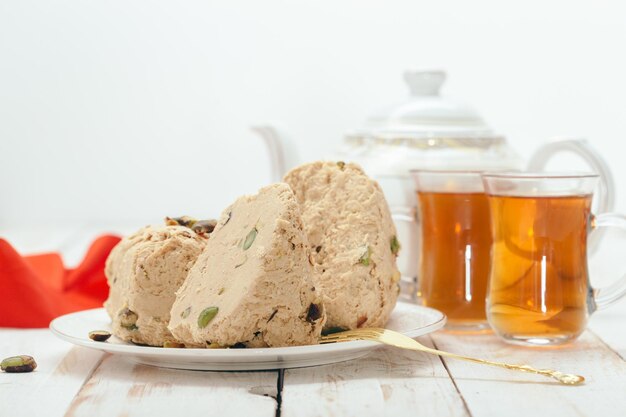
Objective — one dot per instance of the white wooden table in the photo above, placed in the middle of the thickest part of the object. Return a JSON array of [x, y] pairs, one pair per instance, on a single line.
[[74, 381]]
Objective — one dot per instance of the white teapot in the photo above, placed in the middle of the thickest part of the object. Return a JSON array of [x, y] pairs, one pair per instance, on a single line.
[[428, 131]]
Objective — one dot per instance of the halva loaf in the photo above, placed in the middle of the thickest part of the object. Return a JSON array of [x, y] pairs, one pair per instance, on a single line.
[[144, 271], [252, 286], [353, 240]]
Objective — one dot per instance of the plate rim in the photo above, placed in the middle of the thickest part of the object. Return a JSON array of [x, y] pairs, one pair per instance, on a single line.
[[235, 354]]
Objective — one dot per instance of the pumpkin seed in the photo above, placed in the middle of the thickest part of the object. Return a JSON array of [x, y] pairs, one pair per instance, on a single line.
[[128, 319], [99, 335], [250, 239], [17, 364], [394, 244], [206, 316], [185, 221], [202, 227], [366, 256], [331, 330]]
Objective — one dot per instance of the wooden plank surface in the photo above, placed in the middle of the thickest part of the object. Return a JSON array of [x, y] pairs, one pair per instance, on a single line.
[[389, 382], [610, 326], [49, 390], [121, 388], [490, 391]]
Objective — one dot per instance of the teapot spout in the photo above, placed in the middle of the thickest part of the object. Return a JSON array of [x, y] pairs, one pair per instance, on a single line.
[[282, 151]]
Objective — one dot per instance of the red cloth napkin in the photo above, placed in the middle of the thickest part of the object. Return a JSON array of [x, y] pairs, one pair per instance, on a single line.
[[36, 289]]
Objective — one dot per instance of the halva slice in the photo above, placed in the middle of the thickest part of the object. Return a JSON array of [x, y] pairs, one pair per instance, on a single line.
[[252, 286], [144, 271], [349, 227]]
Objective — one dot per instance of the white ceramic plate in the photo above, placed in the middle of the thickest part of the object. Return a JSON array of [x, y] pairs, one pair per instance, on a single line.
[[409, 319]]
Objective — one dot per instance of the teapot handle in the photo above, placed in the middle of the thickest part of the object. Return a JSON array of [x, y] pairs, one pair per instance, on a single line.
[[606, 192], [282, 152]]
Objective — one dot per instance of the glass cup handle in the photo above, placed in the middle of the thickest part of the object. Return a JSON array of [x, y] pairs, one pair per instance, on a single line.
[[604, 197], [603, 297]]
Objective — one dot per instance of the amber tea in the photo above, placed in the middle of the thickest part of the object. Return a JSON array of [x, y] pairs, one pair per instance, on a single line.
[[455, 255], [539, 289]]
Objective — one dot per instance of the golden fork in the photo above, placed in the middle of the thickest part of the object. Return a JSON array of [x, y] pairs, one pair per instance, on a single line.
[[389, 337]]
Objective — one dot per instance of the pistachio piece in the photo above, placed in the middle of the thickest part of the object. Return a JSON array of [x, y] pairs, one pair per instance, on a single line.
[[366, 256], [128, 319], [18, 364], [173, 344], [394, 244], [180, 221], [341, 165], [250, 239], [331, 330], [99, 335], [314, 313], [203, 227], [205, 317], [221, 291], [185, 312]]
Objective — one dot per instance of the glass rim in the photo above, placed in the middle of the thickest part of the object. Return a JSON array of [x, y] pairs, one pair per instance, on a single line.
[[540, 175], [468, 172]]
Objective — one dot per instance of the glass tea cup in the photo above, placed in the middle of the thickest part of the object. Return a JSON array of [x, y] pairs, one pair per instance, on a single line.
[[455, 245], [539, 291]]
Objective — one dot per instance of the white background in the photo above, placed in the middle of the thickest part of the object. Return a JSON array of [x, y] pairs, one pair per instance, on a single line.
[[126, 111]]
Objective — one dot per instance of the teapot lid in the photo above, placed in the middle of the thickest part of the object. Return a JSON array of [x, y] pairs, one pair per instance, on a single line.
[[426, 114]]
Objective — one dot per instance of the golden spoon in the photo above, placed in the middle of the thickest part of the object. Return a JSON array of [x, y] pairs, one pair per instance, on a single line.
[[389, 337]]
